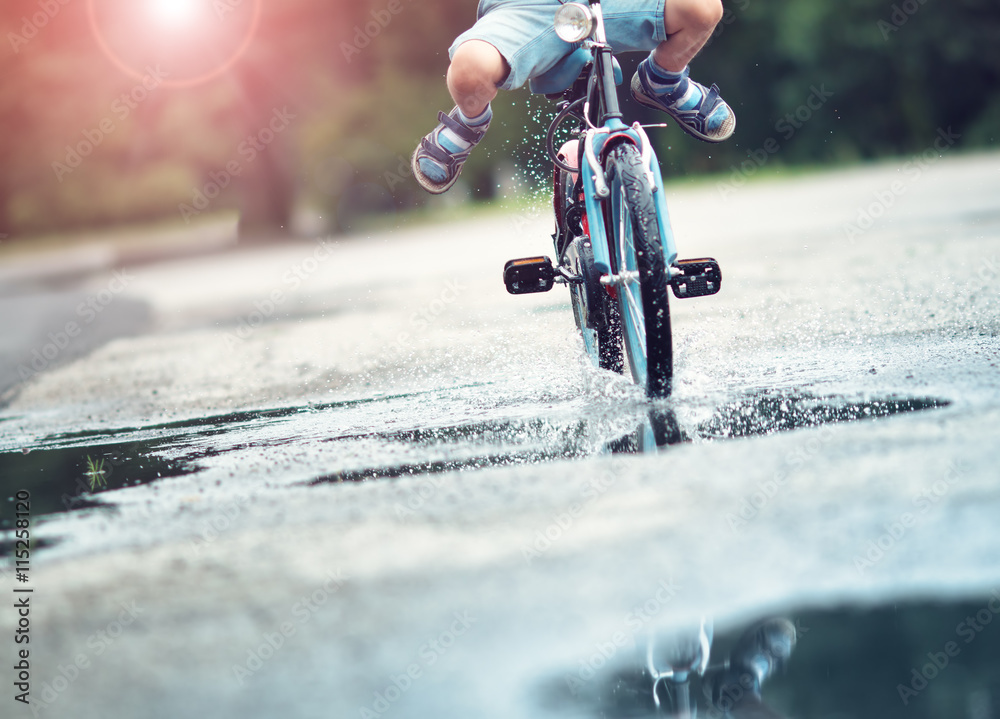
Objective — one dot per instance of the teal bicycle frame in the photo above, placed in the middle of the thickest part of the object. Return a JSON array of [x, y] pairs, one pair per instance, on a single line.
[[595, 195], [594, 183], [614, 261]]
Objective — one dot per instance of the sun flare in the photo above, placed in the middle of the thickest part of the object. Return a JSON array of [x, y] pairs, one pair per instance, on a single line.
[[176, 12]]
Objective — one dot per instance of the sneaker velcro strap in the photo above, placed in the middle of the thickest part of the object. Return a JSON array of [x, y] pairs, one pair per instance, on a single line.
[[677, 93], [711, 99], [464, 131], [448, 159], [437, 152]]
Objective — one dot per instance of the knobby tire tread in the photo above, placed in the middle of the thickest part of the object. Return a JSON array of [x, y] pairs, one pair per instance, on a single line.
[[625, 164]]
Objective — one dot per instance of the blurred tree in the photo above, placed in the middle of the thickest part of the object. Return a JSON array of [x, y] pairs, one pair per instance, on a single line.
[[358, 82]]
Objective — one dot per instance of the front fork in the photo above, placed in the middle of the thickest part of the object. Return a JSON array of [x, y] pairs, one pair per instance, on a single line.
[[596, 190]]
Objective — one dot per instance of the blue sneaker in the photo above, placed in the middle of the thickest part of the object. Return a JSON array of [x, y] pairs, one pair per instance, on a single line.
[[699, 110], [438, 159]]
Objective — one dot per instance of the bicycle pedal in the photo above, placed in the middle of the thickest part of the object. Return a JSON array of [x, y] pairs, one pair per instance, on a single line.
[[697, 278], [529, 274]]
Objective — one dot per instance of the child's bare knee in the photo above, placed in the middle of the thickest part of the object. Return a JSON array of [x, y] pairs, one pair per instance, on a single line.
[[465, 78], [475, 65], [708, 12], [692, 14]]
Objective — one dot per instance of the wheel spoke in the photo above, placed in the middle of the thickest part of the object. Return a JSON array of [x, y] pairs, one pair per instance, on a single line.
[[636, 314], [626, 255]]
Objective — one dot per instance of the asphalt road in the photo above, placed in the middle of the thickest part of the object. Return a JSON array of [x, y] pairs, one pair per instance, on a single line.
[[354, 477]]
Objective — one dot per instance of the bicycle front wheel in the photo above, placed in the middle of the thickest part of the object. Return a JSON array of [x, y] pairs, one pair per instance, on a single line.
[[637, 250]]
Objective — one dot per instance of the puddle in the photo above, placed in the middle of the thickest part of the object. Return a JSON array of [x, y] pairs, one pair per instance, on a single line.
[[912, 661], [349, 442], [771, 412], [74, 478]]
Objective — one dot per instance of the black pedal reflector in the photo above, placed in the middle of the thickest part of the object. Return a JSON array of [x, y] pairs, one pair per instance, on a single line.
[[698, 278], [527, 275]]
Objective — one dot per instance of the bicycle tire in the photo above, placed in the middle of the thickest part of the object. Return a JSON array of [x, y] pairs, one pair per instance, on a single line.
[[602, 340], [636, 247]]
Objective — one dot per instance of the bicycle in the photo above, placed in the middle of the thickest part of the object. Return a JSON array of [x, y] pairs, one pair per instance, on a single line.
[[613, 242]]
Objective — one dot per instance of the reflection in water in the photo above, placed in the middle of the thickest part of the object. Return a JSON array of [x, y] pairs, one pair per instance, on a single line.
[[681, 674], [658, 428], [902, 661]]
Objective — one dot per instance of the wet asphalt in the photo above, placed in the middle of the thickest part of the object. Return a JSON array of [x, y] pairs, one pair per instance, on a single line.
[[353, 477]]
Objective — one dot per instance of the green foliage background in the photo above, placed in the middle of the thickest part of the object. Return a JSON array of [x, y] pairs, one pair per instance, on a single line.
[[898, 72]]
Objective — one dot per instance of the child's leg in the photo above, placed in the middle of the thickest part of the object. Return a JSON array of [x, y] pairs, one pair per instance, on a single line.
[[689, 25], [512, 41], [662, 79], [476, 70]]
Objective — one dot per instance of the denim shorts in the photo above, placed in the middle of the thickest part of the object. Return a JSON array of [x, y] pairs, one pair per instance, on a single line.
[[523, 32]]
